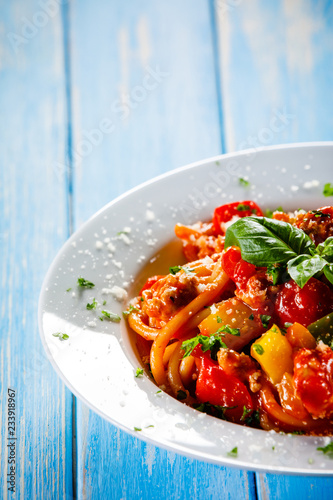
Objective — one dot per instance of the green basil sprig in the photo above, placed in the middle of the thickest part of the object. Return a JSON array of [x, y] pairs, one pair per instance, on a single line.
[[264, 242]]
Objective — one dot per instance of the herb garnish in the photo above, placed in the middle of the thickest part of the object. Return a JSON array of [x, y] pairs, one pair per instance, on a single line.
[[92, 305], [241, 207], [327, 450], [328, 189], [181, 395], [277, 242], [175, 269], [251, 316], [214, 410], [233, 453], [265, 319], [139, 372], [85, 283], [111, 316], [130, 309], [319, 213], [61, 336], [213, 343], [243, 182], [68, 289], [228, 329], [258, 348]]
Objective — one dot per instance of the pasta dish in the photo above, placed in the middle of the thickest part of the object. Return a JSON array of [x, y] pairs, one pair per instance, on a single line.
[[244, 330]]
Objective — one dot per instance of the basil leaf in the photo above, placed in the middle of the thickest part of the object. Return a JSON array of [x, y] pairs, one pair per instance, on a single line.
[[264, 241], [328, 271], [303, 267], [325, 249]]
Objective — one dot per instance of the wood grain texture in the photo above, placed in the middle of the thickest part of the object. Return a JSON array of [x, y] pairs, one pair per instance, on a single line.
[[33, 227], [276, 71], [276, 86], [175, 123]]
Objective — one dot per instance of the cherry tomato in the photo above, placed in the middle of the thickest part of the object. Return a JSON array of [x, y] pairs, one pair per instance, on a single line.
[[303, 305], [235, 267], [313, 379], [214, 386], [150, 282], [239, 208]]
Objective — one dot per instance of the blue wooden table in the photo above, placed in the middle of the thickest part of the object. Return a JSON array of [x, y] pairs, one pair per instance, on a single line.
[[97, 97]]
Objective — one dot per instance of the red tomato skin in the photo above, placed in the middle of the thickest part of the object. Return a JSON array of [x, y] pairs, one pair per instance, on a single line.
[[236, 268], [214, 386], [304, 305], [313, 380], [224, 213]]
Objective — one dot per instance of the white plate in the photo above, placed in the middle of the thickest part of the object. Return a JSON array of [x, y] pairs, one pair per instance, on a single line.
[[98, 361]]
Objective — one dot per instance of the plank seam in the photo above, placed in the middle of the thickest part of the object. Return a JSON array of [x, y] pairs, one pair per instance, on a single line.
[[69, 191], [217, 71]]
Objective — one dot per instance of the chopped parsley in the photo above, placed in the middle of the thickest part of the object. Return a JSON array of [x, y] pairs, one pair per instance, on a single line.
[[181, 395], [139, 372], [241, 207], [258, 348], [214, 410], [233, 453], [61, 336], [287, 325], [68, 289], [246, 412], [251, 316], [158, 392], [111, 316], [175, 269], [218, 319], [327, 450], [85, 283], [137, 429], [328, 189], [319, 213], [265, 319], [104, 302], [243, 182], [213, 343], [228, 329], [92, 305], [130, 309]]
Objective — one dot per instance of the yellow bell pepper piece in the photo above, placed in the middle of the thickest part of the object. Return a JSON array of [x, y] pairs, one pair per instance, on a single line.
[[299, 336], [274, 354]]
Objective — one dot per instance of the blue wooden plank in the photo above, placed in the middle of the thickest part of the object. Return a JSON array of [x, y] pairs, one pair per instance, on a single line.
[[276, 84], [276, 71], [149, 68], [33, 227]]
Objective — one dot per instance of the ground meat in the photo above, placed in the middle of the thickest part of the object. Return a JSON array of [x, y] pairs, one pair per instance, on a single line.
[[318, 224], [167, 296], [199, 240], [240, 366]]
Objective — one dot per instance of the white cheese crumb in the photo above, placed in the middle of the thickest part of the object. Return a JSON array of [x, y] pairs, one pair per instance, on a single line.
[[107, 240], [127, 229], [117, 292], [99, 245], [311, 184], [294, 188], [91, 323], [109, 276], [74, 244], [213, 309], [117, 264], [150, 216], [111, 247], [124, 238], [151, 242], [307, 167], [201, 287]]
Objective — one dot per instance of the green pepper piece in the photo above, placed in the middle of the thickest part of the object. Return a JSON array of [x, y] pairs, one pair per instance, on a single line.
[[322, 329]]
